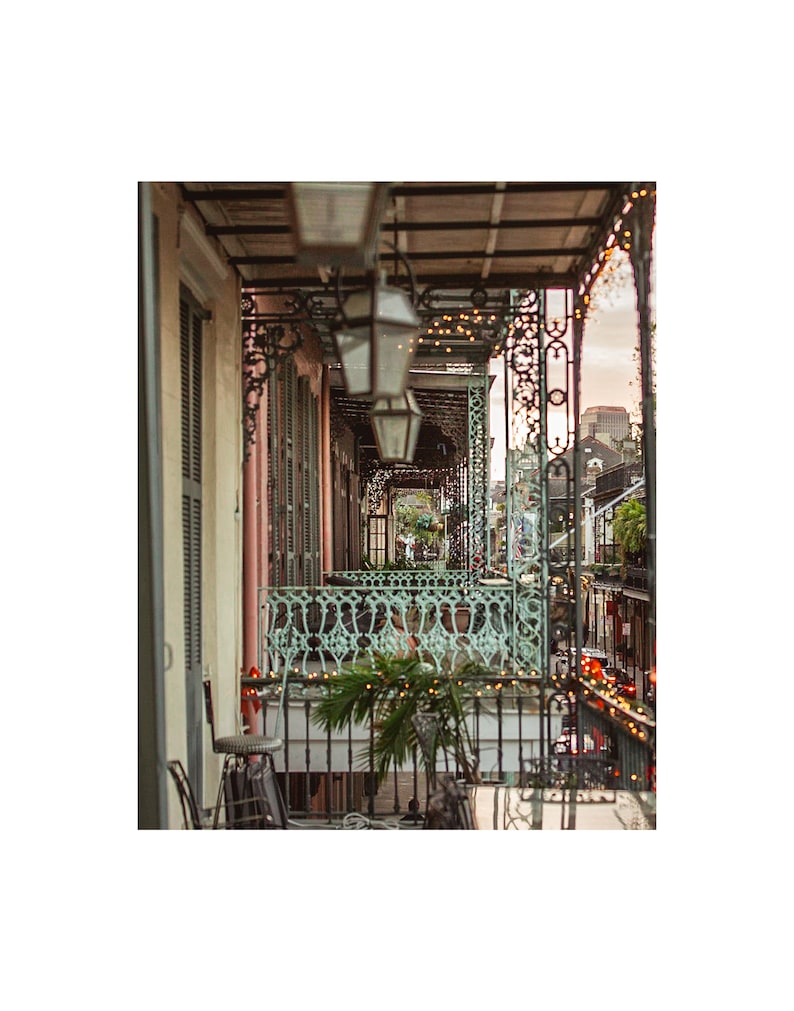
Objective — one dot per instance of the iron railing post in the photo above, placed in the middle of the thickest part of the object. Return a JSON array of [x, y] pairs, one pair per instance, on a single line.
[[640, 221], [545, 539], [578, 333]]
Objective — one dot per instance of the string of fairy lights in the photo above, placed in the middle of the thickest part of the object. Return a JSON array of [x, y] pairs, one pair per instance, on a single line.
[[636, 716], [620, 237], [467, 327]]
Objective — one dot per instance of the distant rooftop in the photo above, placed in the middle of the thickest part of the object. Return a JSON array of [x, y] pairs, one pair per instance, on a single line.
[[603, 408]]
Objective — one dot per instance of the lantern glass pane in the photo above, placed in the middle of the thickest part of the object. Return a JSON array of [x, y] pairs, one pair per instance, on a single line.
[[395, 334], [394, 306], [393, 351], [413, 437], [332, 214], [390, 435], [396, 423], [337, 224], [353, 348]]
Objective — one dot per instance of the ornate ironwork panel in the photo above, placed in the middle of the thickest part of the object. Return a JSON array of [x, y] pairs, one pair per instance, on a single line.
[[321, 628], [407, 578], [479, 477], [524, 514], [541, 378], [265, 347]]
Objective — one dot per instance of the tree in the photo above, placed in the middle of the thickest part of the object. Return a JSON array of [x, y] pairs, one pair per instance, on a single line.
[[630, 529]]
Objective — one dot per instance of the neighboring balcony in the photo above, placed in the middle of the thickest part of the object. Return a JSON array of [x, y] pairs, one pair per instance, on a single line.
[[636, 578]]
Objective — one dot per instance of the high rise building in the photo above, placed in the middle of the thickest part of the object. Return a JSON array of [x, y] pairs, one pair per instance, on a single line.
[[607, 424]]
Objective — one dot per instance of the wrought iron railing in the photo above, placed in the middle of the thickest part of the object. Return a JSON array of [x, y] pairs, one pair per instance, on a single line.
[[402, 577], [325, 774], [516, 738], [448, 622], [623, 475], [636, 577], [608, 554]]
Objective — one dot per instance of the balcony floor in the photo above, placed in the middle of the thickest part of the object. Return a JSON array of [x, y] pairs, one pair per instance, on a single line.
[[501, 808]]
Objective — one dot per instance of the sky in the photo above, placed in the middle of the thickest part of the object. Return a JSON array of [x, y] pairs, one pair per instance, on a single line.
[[609, 369]]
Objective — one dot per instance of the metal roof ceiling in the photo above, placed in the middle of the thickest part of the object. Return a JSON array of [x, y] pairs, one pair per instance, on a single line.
[[443, 401], [490, 235], [473, 247]]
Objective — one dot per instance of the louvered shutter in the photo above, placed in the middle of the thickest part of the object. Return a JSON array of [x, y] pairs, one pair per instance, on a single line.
[[190, 327], [293, 436]]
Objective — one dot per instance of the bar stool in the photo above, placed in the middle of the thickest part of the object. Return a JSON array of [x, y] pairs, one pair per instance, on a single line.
[[238, 746]]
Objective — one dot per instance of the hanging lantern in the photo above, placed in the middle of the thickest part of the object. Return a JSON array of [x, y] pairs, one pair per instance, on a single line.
[[375, 339], [396, 422], [336, 224]]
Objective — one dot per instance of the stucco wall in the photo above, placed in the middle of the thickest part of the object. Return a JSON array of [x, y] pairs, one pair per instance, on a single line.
[[187, 255]]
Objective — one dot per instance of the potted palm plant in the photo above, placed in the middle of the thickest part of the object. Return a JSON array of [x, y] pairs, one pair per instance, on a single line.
[[390, 691]]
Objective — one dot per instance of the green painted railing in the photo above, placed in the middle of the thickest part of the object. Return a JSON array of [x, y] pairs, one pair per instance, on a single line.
[[404, 577], [447, 622]]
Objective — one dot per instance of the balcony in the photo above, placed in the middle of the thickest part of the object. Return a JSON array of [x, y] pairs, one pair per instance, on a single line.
[[487, 637], [616, 479]]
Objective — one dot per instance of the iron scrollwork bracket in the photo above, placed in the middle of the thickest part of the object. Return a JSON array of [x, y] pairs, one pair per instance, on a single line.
[[265, 346]]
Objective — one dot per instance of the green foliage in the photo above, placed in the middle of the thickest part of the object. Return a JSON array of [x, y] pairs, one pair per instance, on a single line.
[[392, 690], [402, 564], [406, 518], [630, 528], [420, 520]]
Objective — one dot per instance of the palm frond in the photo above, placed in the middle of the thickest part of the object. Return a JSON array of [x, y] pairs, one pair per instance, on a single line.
[[387, 693]]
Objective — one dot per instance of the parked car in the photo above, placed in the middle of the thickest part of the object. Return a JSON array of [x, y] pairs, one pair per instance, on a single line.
[[613, 676], [625, 682]]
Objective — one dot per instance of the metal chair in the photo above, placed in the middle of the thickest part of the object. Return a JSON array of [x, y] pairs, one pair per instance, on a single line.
[[238, 747], [448, 805], [193, 816]]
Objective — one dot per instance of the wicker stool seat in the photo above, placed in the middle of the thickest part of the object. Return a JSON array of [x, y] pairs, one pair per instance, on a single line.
[[246, 745]]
